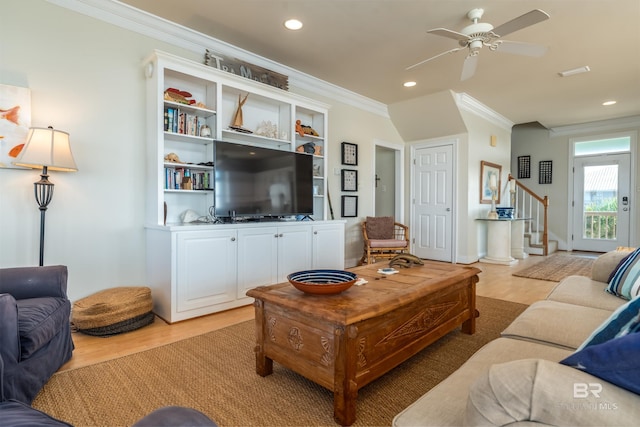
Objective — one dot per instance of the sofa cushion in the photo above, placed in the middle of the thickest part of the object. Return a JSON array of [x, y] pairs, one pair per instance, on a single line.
[[18, 414], [541, 391], [580, 290], [444, 405], [39, 320], [616, 361], [604, 265], [391, 243], [556, 323], [380, 227], [625, 279], [621, 322]]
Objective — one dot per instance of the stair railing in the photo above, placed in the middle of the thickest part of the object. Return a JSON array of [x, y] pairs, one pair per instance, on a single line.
[[534, 208]]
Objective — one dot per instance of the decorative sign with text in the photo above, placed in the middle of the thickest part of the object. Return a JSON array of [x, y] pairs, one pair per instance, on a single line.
[[246, 70]]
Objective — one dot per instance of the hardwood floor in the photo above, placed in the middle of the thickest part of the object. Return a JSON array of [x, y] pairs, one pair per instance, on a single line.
[[496, 281]]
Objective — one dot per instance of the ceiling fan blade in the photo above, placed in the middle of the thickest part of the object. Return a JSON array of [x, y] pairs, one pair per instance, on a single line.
[[521, 22], [434, 57], [469, 67], [520, 48], [448, 34]]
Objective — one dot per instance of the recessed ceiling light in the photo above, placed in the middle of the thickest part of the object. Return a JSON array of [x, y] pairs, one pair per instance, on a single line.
[[409, 84], [606, 103], [293, 24]]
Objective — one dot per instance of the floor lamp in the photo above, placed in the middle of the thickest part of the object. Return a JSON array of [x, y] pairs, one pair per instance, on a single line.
[[48, 149]]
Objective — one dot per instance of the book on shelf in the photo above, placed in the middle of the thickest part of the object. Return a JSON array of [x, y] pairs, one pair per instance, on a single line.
[[179, 178], [177, 121]]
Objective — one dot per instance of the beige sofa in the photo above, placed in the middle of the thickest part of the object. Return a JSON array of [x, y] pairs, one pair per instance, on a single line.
[[517, 380]]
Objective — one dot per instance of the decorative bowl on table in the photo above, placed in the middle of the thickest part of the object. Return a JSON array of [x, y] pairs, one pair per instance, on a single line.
[[505, 213], [322, 282]]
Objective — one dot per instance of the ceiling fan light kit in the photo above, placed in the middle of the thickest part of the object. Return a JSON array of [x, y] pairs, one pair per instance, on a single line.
[[575, 71], [480, 34]]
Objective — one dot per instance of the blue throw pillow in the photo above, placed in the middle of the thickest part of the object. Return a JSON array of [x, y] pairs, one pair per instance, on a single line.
[[616, 361], [625, 279], [623, 321]]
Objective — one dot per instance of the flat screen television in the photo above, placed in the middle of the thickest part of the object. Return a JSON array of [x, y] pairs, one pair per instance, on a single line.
[[261, 182]]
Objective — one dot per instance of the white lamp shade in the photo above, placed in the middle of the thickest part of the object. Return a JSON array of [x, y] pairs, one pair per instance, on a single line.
[[47, 147]]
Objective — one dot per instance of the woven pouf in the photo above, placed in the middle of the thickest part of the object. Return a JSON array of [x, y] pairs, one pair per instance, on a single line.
[[113, 311]]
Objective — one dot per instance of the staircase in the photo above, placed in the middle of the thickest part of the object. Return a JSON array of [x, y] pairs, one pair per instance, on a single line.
[[534, 209]]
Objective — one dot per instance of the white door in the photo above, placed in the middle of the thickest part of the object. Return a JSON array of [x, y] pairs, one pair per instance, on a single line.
[[433, 203], [601, 204]]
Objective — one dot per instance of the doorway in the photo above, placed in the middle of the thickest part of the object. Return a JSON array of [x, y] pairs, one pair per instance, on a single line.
[[388, 180], [601, 207]]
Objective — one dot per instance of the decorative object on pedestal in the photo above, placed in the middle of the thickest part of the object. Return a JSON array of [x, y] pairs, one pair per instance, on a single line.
[[505, 212], [493, 186], [512, 191], [46, 148]]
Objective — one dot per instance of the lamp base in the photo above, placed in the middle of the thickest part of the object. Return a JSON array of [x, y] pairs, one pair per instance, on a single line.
[[492, 215]]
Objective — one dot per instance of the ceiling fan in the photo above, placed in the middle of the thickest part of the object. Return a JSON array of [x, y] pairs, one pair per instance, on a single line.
[[479, 34]]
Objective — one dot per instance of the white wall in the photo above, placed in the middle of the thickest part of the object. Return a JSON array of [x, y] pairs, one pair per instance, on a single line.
[[479, 147], [86, 78]]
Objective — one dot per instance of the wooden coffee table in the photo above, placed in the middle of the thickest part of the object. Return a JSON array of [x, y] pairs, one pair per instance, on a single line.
[[345, 341]]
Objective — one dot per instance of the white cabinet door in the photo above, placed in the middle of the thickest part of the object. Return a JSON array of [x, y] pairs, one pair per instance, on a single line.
[[328, 246], [206, 265], [294, 250], [257, 258]]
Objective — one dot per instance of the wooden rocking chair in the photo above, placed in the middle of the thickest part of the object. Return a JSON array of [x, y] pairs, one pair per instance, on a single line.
[[383, 238]]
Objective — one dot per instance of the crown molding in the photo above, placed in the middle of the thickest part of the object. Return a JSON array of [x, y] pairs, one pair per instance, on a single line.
[[600, 126], [468, 103], [132, 19]]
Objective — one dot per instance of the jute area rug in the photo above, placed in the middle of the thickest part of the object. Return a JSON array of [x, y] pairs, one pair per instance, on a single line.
[[215, 373], [557, 267]]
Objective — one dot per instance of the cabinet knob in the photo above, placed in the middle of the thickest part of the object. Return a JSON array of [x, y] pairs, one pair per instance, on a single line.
[[233, 239], [280, 235], [275, 235], [315, 232]]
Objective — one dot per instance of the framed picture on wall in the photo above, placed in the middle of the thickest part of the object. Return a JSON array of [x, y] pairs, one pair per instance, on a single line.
[[349, 180], [524, 167], [545, 172], [490, 181], [15, 104], [349, 206], [349, 154]]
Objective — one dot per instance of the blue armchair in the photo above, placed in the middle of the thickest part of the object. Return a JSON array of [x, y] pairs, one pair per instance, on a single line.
[[35, 332]]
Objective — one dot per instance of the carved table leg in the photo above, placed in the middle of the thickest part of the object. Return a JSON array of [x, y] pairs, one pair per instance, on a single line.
[[264, 365], [469, 325], [345, 387]]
